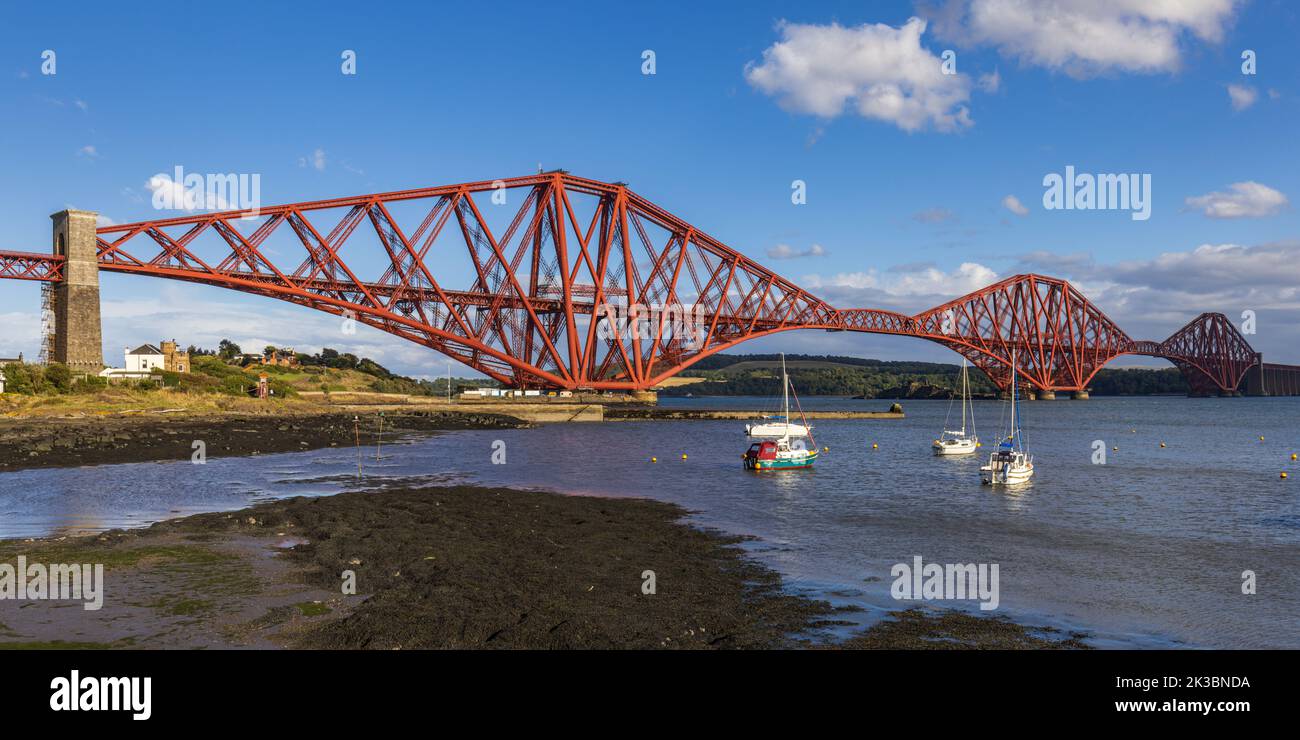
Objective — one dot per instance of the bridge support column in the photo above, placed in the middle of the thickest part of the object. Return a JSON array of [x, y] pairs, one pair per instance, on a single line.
[[77, 340], [1079, 395], [1047, 395]]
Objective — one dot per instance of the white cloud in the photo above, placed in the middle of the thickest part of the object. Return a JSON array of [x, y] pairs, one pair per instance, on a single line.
[[911, 280], [89, 151], [1242, 96], [1087, 37], [1242, 200], [315, 160], [171, 195], [81, 104], [882, 72], [1013, 204], [785, 252]]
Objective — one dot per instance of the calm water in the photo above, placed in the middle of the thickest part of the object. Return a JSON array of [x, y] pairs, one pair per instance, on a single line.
[[1145, 550]]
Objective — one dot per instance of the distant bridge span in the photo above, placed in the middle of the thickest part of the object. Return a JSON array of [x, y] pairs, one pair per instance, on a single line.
[[552, 262]]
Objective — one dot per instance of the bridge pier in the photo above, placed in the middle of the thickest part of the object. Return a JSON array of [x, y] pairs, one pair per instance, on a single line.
[[1270, 379], [77, 338], [1046, 395], [1079, 395]]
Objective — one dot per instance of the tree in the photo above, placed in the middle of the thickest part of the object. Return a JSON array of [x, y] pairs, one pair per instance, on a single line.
[[59, 376], [228, 350]]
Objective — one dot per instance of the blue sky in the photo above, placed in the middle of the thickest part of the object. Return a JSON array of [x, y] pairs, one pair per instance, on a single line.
[[906, 206]]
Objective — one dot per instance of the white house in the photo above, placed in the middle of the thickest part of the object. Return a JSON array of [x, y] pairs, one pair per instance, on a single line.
[[139, 362], [144, 358]]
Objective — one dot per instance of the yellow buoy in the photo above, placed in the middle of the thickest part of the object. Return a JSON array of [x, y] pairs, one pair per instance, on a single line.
[[1292, 457], [1284, 475], [875, 446], [979, 444], [683, 455], [654, 459], [826, 449], [1114, 449], [1261, 438]]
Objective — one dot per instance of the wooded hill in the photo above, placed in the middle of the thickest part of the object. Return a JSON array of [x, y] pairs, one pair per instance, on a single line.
[[830, 375]]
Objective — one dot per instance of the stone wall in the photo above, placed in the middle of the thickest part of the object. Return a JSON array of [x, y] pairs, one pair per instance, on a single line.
[[77, 340]]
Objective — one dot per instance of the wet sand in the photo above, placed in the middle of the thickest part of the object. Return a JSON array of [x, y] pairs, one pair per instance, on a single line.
[[452, 567]]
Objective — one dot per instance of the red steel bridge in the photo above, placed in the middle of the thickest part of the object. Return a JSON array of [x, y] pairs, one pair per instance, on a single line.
[[551, 267]]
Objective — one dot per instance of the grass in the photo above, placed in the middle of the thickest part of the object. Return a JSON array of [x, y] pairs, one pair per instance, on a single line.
[[121, 399], [122, 556], [181, 607], [312, 609], [56, 645]]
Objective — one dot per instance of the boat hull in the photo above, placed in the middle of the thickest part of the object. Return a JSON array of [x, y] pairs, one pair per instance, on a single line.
[[799, 462], [955, 447], [1005, 476]]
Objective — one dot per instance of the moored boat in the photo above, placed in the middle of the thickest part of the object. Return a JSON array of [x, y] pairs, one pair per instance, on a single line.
[[958, 442], [788, 446], [1010, 463]]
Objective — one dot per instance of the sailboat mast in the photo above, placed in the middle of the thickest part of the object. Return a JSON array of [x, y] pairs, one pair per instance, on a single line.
[[1015, 420], [785, 397], [965, 396]]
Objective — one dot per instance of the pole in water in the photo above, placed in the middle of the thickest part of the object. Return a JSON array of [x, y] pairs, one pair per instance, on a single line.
[[380, 442], [356, 426]]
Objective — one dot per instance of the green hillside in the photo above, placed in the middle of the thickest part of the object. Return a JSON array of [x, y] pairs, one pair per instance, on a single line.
[[814, 375]]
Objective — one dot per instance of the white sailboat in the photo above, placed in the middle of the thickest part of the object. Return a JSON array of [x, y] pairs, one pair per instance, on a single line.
[[778, 426], [959, 442], [1010, 463], [782, 444]]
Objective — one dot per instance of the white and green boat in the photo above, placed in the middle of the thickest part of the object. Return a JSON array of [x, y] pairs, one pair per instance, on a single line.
[[782, 445]]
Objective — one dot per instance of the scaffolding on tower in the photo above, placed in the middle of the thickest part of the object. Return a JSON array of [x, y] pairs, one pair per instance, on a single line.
[[49, 322]]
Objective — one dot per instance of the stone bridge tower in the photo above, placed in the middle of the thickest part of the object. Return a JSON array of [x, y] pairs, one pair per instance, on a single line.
[[77, 341]]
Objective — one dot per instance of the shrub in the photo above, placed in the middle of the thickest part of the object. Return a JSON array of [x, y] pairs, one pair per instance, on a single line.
[[59, 376]]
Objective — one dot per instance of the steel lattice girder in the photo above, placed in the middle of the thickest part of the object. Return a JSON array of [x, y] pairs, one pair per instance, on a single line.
[[1211, 352], [551, 280], [1060, 338], [30, 266]]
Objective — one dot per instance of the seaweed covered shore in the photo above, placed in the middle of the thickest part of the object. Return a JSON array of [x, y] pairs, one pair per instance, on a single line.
[[452, 567]]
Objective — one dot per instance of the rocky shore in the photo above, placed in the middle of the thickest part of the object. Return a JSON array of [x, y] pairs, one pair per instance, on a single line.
[[452, 567], [157, 435]]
